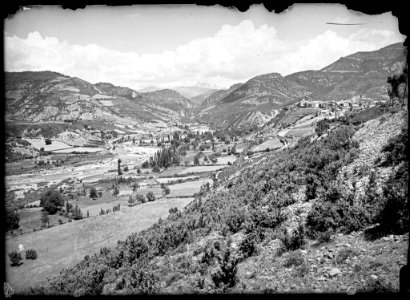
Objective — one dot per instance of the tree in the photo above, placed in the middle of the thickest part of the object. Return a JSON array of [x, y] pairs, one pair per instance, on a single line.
[[115, 192], [150, 196], [138, 171], [131, 200], [93, 193], [322, 126], [119, 167], [52, 201], [45, 220], [140, 198], [196, 160], [77, 214], [12, 220]]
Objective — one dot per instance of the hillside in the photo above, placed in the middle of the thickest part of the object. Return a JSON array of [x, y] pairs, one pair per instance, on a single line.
[[362, 74], [293, 220], [50, 96], [169, 99]]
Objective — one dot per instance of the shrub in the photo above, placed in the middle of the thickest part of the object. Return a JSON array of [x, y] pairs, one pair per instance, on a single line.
[[125, 169], [294, 241], [93, 193], [100, 193], [294, 259], [15, 258], [150, 196], [226, 276], [156, 169], [52, 201], [248, 245], [31, 254], [167, 190], [48, 141], [235, 219]]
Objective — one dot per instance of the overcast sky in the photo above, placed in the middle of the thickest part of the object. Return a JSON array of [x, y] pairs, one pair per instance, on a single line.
[[167, 45]]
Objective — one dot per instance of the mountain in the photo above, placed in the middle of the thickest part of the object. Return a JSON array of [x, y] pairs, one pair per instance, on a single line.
[[195, 90], [169, 99], [360, 74], [51, 96], [147, 89]]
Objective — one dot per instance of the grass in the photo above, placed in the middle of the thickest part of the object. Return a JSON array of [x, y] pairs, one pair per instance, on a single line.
[[187, 188], [198, 169], [76, 239]]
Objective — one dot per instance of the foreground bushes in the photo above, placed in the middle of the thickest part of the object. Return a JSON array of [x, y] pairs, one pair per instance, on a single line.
[[31, 254]]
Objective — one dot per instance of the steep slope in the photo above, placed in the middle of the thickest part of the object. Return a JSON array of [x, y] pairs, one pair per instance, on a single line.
[[362, 73], [286, 221]]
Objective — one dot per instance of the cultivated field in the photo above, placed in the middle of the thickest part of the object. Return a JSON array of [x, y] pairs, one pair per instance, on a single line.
[[64, 245]]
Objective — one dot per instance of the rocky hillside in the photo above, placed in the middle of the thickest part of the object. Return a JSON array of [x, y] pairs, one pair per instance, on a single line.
[[169, 99], [276, 222], [50, 96], [361, 74]]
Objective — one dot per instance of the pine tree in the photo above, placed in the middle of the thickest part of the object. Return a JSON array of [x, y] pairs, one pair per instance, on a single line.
[[45, 220]]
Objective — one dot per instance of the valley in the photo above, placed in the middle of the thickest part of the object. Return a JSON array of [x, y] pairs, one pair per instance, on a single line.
[[161, 191]]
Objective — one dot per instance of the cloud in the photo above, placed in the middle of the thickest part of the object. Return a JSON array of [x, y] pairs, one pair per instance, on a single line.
[[233, 54]]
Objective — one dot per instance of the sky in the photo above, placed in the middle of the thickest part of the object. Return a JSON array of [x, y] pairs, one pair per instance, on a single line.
[[181, 45]]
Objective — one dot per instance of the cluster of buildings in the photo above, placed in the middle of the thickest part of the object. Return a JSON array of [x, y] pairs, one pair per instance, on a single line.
[[356, 103]]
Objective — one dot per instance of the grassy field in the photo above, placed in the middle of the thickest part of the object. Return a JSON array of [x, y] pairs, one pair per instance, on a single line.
[[55, 145], [301, 131], [271, 144], [62, 246], [187, 188], [198, 169]]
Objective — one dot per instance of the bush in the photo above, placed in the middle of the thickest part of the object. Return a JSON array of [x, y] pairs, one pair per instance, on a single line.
[[167, 190], [235, 219], [48, 141], [15, 258], [150, 196], [125, 169], [294, 241], [31, 254], [295, 259], [226, 276], [156, 169], [52, 201], [100, 193], [248, 245]]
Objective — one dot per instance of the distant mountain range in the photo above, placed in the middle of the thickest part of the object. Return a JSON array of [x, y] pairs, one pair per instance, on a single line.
[[50, 96], [252, 103]]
